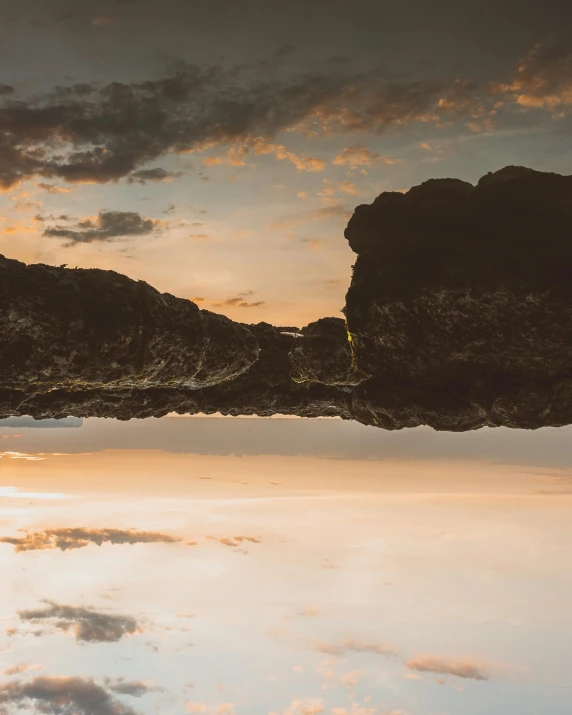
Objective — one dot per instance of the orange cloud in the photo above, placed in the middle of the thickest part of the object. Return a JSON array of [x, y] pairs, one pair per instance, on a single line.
[[50, 188], [302, 217], [312, 243], [237, 154], [359, 155], [308, 706], [543, 80], [235, 540], [303, 163], [459, 667]]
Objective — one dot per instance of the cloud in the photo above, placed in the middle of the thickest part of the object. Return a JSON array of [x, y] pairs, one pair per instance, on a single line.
[[142, 176], [86, 624], [359, 710], [53, 695], [359, 155], [199, 708], [102, 133], [303, 163], [78, 538], [351, 679], [308, 706], [107, 226], [236, 155], [302, 217], [22, 667], [234, 540], [338, 649], [136, 688], [312, 243], [234, 302], [352, 645], [543, 79], [460, 667], [309, 612], [50, 188]]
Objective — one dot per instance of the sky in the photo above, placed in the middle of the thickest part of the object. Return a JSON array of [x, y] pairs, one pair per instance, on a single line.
[[242, 566], [217, 149], [153, 579]]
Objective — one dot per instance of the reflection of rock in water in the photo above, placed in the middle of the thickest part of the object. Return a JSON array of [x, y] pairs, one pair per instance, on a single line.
[[459, 315], [25, 422]]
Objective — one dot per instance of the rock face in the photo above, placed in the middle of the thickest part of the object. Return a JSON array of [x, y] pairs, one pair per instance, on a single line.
[[461, 303], [459, 315], [84, 329], [324, 355]]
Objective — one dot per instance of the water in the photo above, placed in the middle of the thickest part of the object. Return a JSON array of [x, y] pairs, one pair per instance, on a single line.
[[151, 575]]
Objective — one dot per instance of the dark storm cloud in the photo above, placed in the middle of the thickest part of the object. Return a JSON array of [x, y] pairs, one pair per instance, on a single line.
[[144, 175], [54, 695], [78, 538], [461, 668], [106, 227], [89, 133], [86, 624]]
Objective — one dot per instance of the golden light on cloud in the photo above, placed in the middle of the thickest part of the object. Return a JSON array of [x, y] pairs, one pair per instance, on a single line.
[[359, 155]]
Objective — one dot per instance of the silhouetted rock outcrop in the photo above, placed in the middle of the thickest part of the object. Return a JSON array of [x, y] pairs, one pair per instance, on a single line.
[[461, 296], [459, 315]]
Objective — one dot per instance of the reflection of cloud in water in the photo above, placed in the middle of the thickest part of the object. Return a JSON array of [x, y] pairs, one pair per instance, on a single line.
[[460, 667], [56, 695], [78, 538], [86, 624]]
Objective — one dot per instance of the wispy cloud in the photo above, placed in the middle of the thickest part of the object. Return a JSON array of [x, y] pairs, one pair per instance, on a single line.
[[78, 538], [460, 667], [359, 155], [303, 217]]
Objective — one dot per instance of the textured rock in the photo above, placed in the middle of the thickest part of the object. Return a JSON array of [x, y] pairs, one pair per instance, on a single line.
[[460, 304], [265, 389], [82, 329], [322, 353], [459, 315]]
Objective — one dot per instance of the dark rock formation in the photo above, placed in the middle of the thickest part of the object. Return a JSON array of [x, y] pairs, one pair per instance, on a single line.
[[461, 302], [324, 355], [84, 329], [459, 315]]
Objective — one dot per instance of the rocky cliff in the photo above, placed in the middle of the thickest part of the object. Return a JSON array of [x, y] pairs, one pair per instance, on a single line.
[[459, 315]]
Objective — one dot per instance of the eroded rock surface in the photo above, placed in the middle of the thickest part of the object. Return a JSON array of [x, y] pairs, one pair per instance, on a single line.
[[461, 300], [83, 329], [459, 315]]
